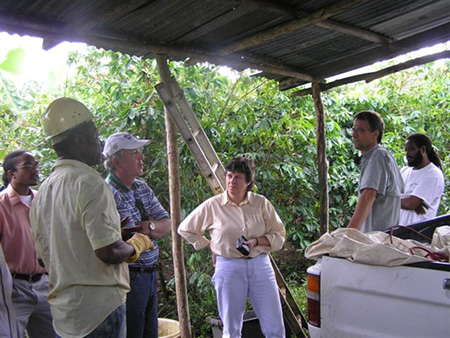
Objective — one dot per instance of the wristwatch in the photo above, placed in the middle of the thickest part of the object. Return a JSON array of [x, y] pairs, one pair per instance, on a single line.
[[152, 226]]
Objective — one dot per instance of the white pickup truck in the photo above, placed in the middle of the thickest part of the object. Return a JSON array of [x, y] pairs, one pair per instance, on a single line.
[[348, 299]]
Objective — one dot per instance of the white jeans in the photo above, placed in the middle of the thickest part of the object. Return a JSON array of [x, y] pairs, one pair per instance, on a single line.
[[234, 280]]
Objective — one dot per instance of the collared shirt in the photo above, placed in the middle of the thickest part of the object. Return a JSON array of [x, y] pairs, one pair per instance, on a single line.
[[72, 215], [15, 233], [127, 207], [226, 222], [427, 184], [379, 171]]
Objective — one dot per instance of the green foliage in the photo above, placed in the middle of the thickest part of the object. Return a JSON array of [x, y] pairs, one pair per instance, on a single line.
[[247, 116], [13, 61]]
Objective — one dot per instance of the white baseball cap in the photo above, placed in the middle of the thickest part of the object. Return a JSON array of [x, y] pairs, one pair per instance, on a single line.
[[119, 141]]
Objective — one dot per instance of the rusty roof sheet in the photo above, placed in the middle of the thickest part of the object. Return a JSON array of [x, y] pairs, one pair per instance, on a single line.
[[291, 41]]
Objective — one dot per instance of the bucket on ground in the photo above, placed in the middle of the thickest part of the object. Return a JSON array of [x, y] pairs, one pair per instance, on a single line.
[[168, 328], [250, 327]]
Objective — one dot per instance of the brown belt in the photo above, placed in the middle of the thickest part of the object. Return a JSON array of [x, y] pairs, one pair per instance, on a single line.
[[30, 278]]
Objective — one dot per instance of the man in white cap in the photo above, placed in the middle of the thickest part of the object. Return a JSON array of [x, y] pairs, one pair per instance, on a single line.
[[137, 202], [76, 227]]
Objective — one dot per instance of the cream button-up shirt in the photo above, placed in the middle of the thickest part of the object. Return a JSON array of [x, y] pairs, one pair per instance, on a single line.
[[226, 221], [73, 214]]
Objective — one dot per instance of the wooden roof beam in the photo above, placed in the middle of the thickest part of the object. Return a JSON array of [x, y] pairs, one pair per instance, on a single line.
[[347, 62], [241, 63], [361, 33], [254, 61], [144, 48], [313, 18], [412, 43], [111, 42], [331, 24], [368, 77]]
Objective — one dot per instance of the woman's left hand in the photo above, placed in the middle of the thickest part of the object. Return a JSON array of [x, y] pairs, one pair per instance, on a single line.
[[252, 243]]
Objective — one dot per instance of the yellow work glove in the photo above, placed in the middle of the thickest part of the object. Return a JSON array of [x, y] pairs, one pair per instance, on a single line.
[[140, 243]]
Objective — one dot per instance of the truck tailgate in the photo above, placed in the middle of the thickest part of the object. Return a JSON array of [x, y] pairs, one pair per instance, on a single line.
[[359, 300]]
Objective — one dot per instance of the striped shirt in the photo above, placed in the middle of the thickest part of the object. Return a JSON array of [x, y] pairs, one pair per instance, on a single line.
[[129, 204]]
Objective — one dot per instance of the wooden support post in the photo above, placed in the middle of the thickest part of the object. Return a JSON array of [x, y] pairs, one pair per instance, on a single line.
[[175, 210], [321, 158]]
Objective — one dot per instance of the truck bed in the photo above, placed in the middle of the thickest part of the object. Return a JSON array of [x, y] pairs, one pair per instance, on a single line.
[[359, 300]]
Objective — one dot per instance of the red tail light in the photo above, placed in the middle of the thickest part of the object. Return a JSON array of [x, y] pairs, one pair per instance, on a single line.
[[313, 299]]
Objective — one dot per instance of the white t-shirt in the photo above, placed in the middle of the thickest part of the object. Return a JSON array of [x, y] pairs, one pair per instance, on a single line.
[[26, 199], [428, 185]]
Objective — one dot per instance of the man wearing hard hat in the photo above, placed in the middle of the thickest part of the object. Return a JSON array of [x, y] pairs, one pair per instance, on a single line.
[[76, 227]]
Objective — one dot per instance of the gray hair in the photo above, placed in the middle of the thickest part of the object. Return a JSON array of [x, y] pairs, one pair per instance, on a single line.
[[109, 166]]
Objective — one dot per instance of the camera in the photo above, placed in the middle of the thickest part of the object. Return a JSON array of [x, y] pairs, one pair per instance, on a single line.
[[241, 246]]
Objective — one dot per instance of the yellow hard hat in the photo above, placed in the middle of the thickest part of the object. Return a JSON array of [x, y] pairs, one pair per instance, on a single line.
[[64, 114]]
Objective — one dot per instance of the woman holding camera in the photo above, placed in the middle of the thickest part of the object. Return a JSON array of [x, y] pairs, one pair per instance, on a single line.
[[244, 227]]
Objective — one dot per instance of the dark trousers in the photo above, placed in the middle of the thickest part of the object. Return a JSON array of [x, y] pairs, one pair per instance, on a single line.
[[142, 305]]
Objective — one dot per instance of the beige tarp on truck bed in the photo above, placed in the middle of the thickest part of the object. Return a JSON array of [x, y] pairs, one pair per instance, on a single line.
[[377, 248]]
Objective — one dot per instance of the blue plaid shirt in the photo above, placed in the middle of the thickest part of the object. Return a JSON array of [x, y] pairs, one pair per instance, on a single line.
[[127, 207]]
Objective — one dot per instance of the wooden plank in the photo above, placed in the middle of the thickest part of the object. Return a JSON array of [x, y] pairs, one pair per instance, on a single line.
[[291, 312]]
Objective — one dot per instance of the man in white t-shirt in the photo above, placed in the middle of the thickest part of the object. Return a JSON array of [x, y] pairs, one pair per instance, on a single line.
[[424, 181]]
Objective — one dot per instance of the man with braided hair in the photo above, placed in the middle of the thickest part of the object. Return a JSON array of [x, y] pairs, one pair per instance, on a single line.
[[424, 181]]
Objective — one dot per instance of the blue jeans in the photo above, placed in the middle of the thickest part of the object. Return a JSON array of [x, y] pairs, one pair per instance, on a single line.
[[142, 305], [114, 326]]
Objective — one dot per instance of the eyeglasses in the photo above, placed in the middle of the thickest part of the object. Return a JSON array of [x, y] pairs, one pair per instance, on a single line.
[[30, 167], [360, 130]]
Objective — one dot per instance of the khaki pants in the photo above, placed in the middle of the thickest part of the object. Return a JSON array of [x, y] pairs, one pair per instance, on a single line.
[[32, 309]]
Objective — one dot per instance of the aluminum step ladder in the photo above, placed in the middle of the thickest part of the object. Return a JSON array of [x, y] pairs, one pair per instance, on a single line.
[[212, 168]]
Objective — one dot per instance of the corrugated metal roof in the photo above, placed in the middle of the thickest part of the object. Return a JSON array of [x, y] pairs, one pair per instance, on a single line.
[[291, 41]]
